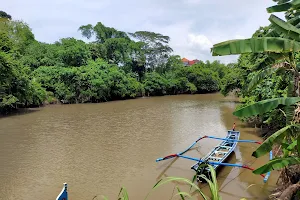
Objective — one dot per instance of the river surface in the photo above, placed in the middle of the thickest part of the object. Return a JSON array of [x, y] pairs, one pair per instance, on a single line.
[[98, 148]]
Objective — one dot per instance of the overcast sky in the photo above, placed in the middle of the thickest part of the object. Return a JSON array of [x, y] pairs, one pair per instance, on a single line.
[[193, 25]]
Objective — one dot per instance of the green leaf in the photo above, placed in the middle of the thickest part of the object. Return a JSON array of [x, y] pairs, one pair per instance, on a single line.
[[267, 145], [296, 4], [212, 187], [284, 6], [279, 8], [264, 106], [170, 179], [284, 148], [277, 164], [182, 194], [255, 45], [123, 194], [288, 30], [294, 21], [292, 146]]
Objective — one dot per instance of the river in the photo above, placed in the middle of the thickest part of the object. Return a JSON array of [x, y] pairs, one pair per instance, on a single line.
[[98, 148]]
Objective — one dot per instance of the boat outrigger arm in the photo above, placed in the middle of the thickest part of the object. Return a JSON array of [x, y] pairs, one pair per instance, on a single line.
[[180, 155]]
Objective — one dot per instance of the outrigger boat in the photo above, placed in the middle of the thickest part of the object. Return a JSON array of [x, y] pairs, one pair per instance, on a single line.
[[218, 155]]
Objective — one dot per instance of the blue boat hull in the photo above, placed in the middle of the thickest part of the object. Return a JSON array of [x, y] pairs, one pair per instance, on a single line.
[[219, 154]]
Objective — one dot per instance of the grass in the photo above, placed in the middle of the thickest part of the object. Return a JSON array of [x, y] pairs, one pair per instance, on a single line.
[[212, 182]]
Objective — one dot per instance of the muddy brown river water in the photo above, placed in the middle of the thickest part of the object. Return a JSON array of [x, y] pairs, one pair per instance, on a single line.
[[98, 148]]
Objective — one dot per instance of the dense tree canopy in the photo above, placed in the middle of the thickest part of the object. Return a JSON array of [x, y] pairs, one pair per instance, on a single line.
[[114, 65]]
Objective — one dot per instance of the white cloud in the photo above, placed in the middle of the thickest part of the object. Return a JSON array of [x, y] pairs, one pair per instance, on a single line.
[[200, 41]]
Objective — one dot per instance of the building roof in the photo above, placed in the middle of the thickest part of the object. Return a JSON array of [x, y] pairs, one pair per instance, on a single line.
[[192, 62], [184, 60], [189, 62]]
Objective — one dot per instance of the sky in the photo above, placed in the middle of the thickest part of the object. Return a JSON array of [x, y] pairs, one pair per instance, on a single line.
[[193, 25]]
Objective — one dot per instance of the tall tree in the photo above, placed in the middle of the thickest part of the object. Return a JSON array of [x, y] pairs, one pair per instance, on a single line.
[[101, 32], [156, 47], [20, 34], [111, 44]]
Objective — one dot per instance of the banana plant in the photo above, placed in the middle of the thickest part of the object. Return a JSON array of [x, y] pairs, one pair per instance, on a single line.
[[280, 44], [292, 130]]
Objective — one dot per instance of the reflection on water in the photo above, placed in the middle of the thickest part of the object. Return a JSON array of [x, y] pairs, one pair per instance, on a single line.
[[98, 148]]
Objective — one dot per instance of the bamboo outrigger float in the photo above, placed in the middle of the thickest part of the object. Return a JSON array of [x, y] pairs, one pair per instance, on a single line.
[[218, 155]]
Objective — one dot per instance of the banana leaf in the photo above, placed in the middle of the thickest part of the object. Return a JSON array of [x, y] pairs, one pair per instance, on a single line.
[[264, 106], [284, 6], [267, 145], [276, 164], [296, 4], [288, 30], [294, 21], [279, 8], [255, 45]]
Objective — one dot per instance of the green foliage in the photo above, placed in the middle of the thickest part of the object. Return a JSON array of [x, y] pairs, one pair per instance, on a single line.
[[155, 84], [101, 32], [114, 66], [277, 137], [206, 80], [16, 88], [277, 44], [264, 106], [19, 33], [181, 80], [277, 164], [255, 45], [95, 82], [212, 182], [261, 75], [73, 52], [155, 46], [41, 54], [194, 191], [4, 15]]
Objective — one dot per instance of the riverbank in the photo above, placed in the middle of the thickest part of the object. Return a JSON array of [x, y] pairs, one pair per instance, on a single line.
[[53, 101]]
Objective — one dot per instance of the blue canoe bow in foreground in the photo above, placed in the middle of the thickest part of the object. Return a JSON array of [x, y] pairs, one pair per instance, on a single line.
[[63, 194]]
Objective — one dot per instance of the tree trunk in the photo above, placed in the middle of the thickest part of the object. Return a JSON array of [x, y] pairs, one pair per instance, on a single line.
[[288, 193]]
